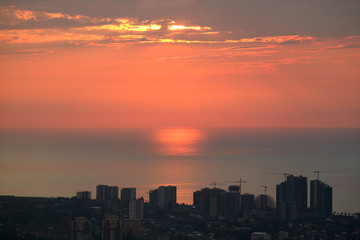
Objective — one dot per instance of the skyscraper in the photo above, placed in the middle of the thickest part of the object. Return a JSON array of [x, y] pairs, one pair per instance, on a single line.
[[247, 202], [105, 193], [136, 209], [127, 194], [196, 199], [167, 196], [211, 202], [163, 196], [320, 199], [231, 202], [114, 192], [154, 197], [102, 193], [291, 197]]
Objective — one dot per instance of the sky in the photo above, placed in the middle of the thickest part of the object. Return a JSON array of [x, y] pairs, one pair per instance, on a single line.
[[160, 63], [177, 64]]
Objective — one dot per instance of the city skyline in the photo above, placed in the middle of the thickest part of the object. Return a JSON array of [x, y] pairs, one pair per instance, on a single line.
[[179, 92], [106, 193]]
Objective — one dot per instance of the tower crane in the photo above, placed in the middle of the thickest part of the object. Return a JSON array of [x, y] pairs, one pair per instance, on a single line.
[[240, 181], [215, 184], [318, 173], [265, 188], [284, 174]]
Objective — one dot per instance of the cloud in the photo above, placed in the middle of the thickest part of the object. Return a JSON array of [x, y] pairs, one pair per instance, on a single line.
[[12, 16], [344, 46]]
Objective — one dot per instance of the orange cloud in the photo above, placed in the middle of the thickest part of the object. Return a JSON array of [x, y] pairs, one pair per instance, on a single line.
[[182, 27], [13, 16], [45, 36]]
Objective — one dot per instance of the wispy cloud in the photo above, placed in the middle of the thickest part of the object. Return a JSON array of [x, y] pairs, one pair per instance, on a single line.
[[81, 30], [12, 16]]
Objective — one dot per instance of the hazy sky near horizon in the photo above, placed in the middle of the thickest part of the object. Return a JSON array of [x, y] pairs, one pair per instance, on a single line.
[[159, 63]]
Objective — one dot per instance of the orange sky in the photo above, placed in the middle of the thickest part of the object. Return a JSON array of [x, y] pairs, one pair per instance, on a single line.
[[124, 72]]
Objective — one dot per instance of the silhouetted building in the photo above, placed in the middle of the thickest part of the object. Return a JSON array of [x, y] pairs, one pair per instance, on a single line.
[[261, 203], [136, 209], [231, 202], [127, 194], [320, 199], [234, 188], [247, 202], [167, 196], [290, 192], [81, 229], [154, 198], [103, 193], [288, 210], [264, 202], [112, 228], [83, 195], [196, 199], [211, 202], [114, 192]]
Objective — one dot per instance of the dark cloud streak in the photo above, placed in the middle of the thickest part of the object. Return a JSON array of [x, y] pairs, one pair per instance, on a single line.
[[246, 18]]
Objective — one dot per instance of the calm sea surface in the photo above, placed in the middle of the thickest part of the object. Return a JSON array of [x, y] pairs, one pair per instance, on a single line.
[[59, 163]]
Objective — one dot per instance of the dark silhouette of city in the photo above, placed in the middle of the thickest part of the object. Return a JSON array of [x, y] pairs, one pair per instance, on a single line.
[[216, 213]]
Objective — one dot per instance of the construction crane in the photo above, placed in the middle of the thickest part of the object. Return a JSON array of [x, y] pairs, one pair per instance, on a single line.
[[215, 184], [284, 174], [239, 182], [318, 173], [265, 188]]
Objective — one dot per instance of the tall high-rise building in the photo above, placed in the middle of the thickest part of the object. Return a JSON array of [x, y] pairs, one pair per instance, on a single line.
[[102, 193], [231, 202], [154, 197], [163, 196], [262, 202], [112, 228], [114, 192], [105, 193], [127, 194], [320, 199], [167, 196], [196, 199], [211, 202], [81, 229], [136, 209], [247, 202], [83, 195], [291, 197]]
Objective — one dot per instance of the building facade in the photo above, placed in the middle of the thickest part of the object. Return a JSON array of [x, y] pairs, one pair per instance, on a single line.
[[127, 194], [320, 199], [291, 197], [81, 229], [112, 228], [83, 195], [136, 209], [166, 196]]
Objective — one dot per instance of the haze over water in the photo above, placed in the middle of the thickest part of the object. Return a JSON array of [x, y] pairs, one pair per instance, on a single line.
[[59, 163]]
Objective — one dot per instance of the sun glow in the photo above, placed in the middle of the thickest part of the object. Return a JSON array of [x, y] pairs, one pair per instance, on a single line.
[[178, 141], [182, 27]]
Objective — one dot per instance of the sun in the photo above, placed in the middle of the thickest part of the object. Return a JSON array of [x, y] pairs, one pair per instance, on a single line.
[[178, 141], [178, 135]]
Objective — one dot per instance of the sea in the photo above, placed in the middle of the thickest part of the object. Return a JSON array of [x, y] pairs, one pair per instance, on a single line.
[[58, 163]]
